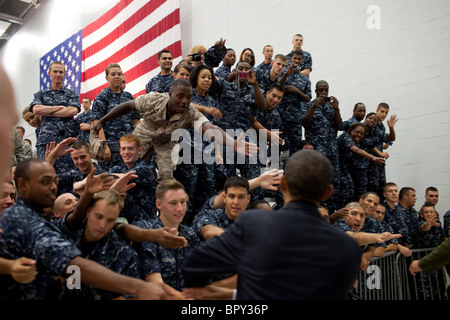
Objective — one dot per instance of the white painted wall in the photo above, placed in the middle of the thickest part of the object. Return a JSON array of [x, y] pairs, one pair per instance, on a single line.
[[405, 63]]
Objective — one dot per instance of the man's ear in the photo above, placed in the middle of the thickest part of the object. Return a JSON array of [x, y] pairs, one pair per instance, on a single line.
[[22, 185], [328, 192], [283, 184], [158, 204]]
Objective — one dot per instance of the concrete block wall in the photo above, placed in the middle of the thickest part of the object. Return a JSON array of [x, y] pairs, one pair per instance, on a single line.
[[405, 63]]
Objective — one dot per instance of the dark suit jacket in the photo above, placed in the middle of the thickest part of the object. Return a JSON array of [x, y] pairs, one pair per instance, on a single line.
[[290, 253]]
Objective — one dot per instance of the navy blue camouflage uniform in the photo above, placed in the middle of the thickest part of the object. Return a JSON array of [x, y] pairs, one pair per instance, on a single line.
[[271, 120], [68, 178], [160, 83], [27, 233], [143, 194], [212, 57], [360, 165], [377, 172], [306, 61], [198, 179], [372, 225], [155, 258], [346, 124], [262, 73], [432, 284], [322, 135], [238, 108], [83, 135], [114, 129], [409, 218], [347, 188], [112, 252], [222, 71], [447, 223], [208, 215], [55, 128], [291, 111], [395, 220]]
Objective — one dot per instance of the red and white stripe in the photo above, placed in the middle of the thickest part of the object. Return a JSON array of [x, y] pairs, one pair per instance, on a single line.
[[130, 34]]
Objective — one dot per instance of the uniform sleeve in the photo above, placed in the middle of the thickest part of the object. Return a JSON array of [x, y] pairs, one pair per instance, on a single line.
[[204, 216], [73, 100], [199, 120], [307, 61], [99, 107], [51, 248], [146, 102], [214, 56], [37, 99], [437, 259]]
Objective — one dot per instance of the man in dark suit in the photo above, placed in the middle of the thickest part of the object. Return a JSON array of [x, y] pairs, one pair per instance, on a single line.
[[290, 253]]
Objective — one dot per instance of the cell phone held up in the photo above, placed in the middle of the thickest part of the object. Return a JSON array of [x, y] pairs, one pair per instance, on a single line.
[[243, 75]]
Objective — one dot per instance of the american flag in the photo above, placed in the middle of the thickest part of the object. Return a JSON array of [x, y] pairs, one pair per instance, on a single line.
[[130, 34]]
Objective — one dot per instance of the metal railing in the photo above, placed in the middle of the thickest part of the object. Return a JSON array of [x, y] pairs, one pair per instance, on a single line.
[[388, 278]]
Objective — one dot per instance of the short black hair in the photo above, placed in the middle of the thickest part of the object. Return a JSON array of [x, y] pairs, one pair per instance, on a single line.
[[180, 82], [236, 181], [308, 174], [403, 191], [193, 77], [277, 87], [254, 204], [163, 51], [23, 168]]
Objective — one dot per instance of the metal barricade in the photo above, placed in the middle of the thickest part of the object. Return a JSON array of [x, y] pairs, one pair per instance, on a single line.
[[388, 278]]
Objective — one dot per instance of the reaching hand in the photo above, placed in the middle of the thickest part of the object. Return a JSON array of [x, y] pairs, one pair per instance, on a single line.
[[59, 150], [270, 179], [251, 77], [216, 113], [122, 184], [244, 147], [107, 155], [220, 43], [334, 102], [378, 160], [97, 183], [96, 128], [169, 238], [386, 236], [392, 121], [414, 267], [23, 270]]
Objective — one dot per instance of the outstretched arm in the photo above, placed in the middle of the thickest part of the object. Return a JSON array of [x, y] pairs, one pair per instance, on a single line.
[[364, 154], [391, 122], [367, 238], [93, 185], [166, 237], [119, 111], [22, 270], [53, 151], [217, 135]]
